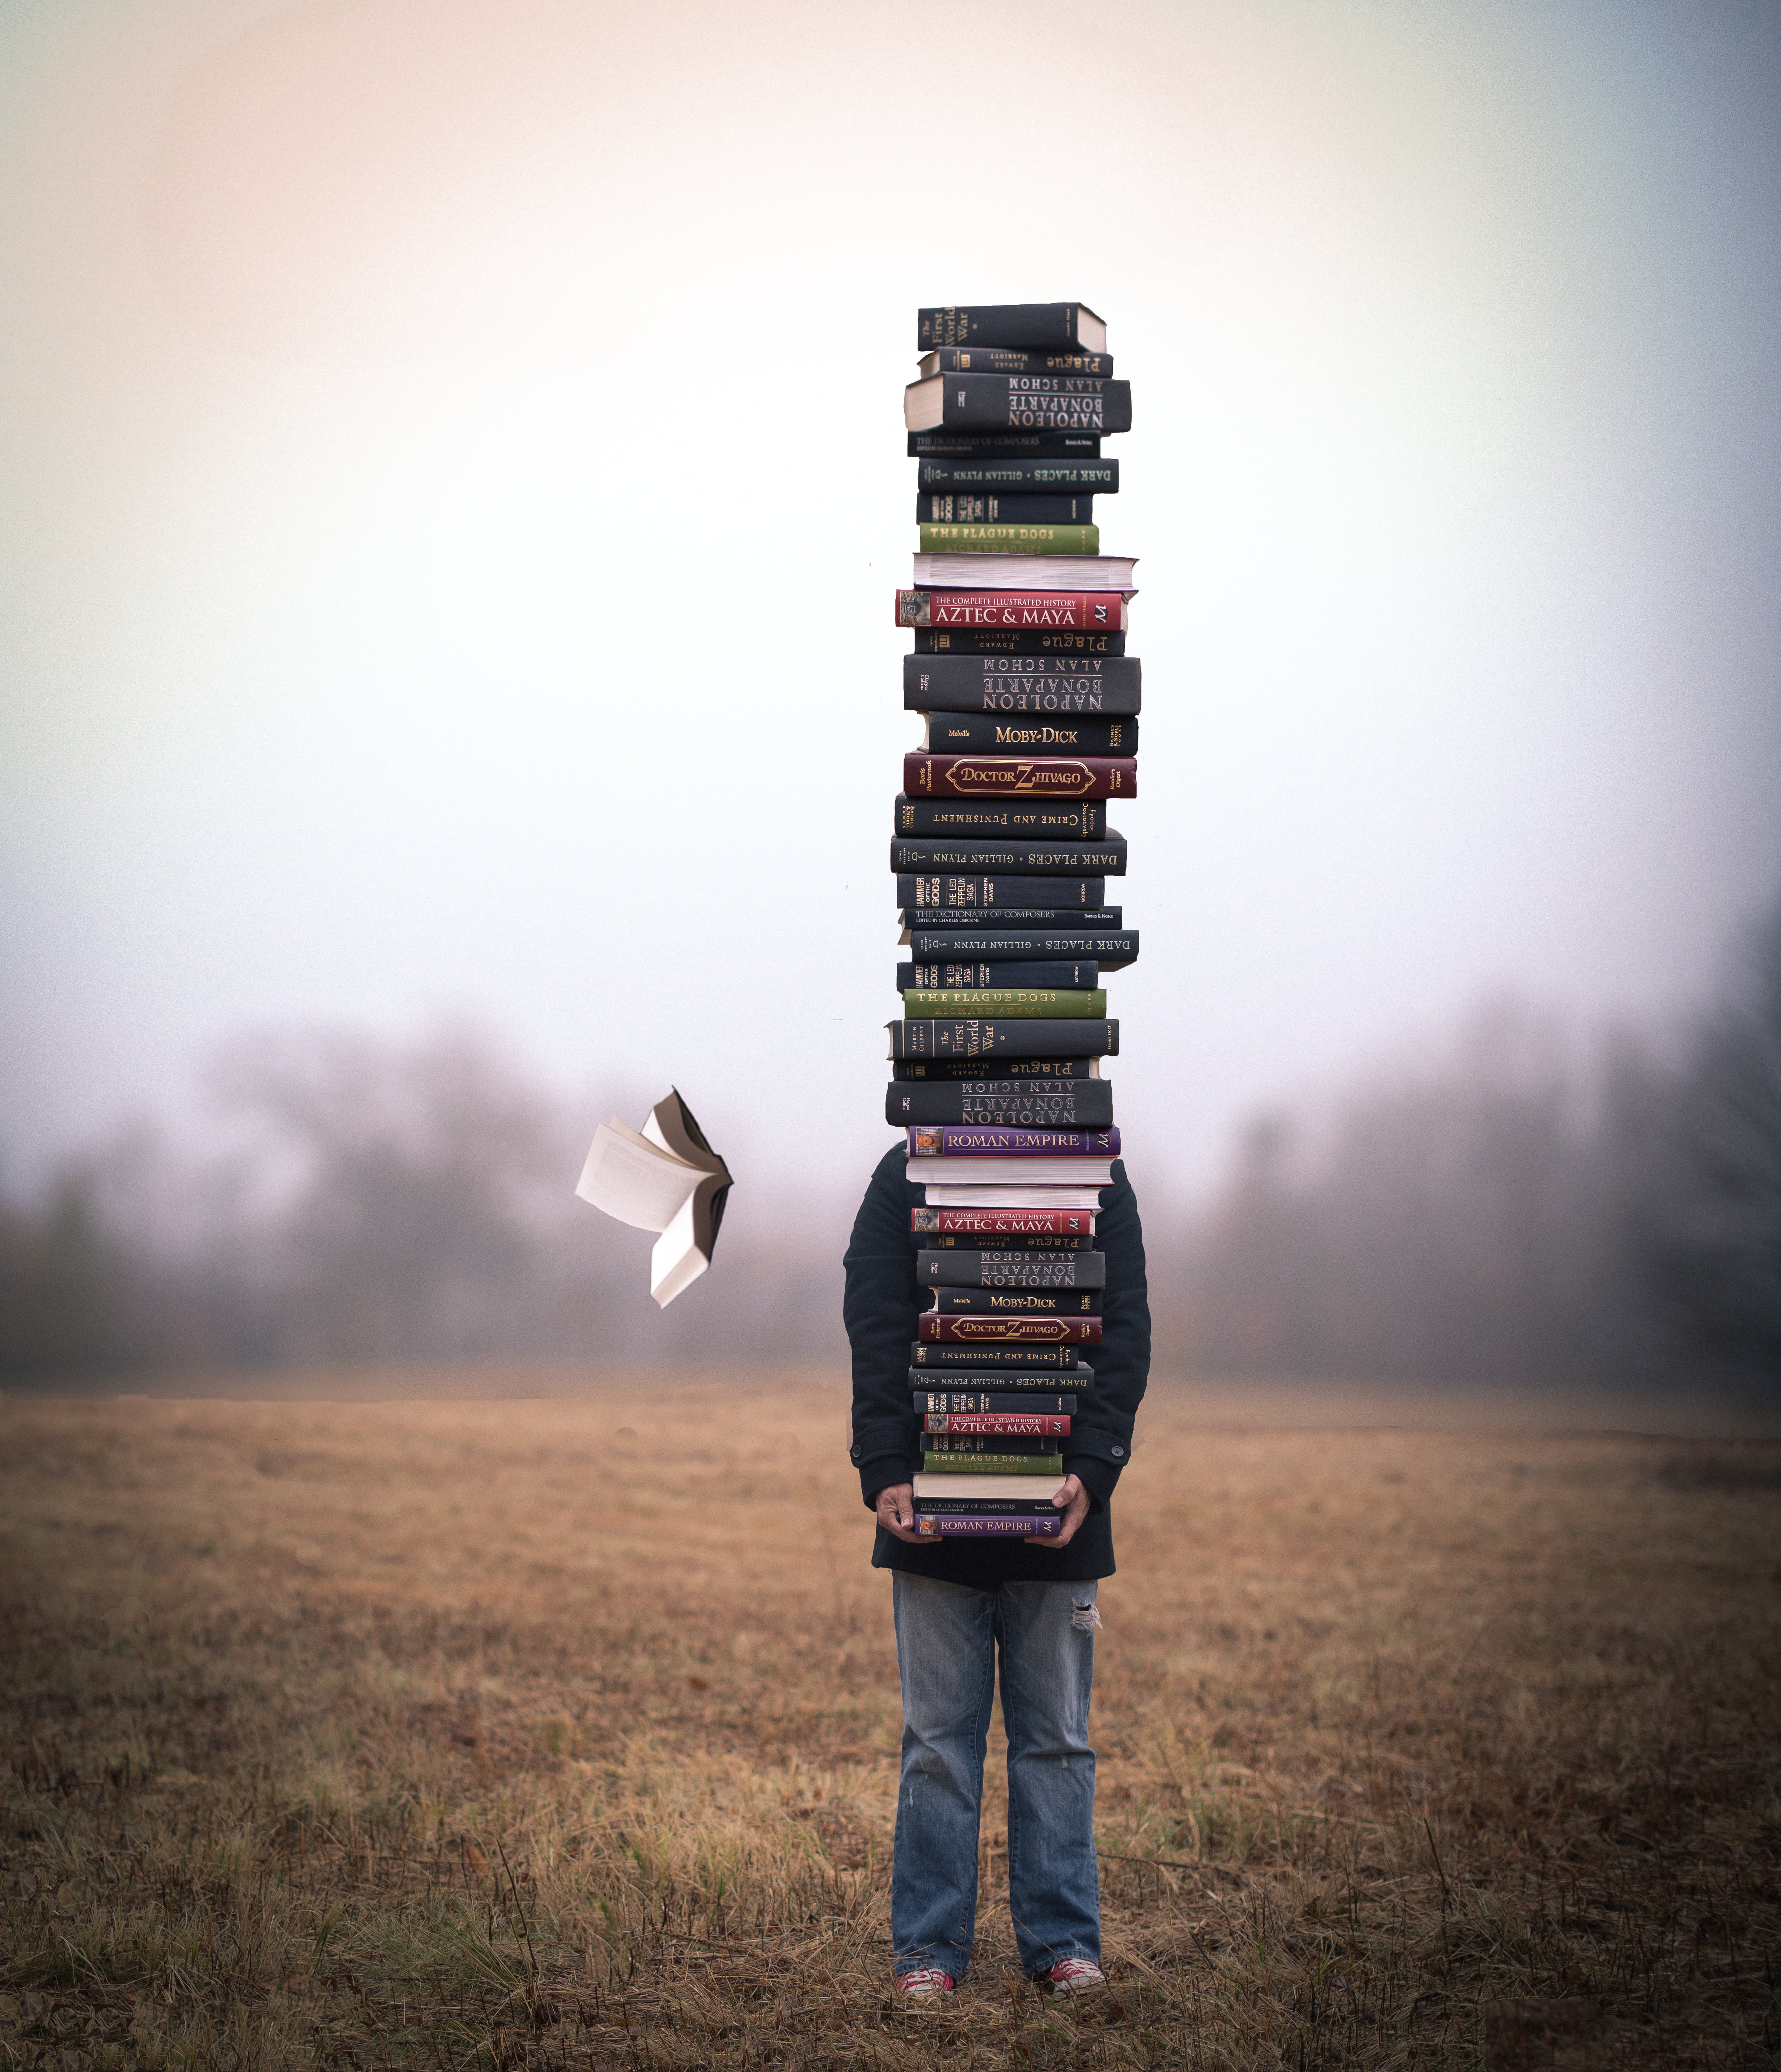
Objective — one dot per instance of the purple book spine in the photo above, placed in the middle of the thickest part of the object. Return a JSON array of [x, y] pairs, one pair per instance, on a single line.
[[955, 1140], [981, 1524]]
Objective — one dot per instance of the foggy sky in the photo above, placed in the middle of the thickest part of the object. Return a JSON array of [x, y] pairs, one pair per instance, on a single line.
[[452, 484]]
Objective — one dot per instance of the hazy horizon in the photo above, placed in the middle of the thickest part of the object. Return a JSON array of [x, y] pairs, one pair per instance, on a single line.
[[415, 418]]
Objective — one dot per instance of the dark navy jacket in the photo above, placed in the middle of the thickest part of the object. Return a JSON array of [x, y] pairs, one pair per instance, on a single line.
[[881, 1303]]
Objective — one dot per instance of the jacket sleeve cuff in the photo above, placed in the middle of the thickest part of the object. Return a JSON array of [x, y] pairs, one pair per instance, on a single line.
[[1099, 1477], [883, 1471]]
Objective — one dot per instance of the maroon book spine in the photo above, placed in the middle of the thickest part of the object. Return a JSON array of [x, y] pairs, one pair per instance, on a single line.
[[1068, 610], [1004, 1222], [1008, 1423], [1019, 776], [1026, 1331]]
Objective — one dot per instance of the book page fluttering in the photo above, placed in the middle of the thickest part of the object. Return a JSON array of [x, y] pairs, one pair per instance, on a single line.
[[665, 1177]]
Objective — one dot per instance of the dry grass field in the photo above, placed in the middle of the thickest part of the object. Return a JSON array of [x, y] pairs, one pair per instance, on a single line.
[[562, 1734]]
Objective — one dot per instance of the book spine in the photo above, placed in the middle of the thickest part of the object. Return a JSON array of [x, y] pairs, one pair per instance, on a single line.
[[927, 978], [1004, 733], [1078, 1109], [1008, 1269], [992, 1463], [943, 539], [1010, 1071], [1012, 776], [964, 682], [1011, 359], [1013, 476], [1006, 820], [993, 403], [996, 1424], [1034, 326], [931, 1402], [921, 1038], [1008, 1003], [1003, 445], [1015, 1301], [938, 1140], [1005, 1223], [1032, 640], [967, 507], [973, 854], [1108, 950], [1018, 611], [986, 1525], [930, 919], [921, 893], [1009, 1240], [1029, 1330], [1019, 1367]]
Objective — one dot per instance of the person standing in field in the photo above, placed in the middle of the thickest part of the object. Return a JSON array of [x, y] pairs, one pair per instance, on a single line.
[[959, 1603]]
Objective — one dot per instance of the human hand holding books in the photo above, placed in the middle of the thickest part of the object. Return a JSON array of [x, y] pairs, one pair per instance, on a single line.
[[1072, 1500]]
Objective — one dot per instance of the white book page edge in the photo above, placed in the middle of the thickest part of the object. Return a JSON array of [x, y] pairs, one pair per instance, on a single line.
[[635, 1182]]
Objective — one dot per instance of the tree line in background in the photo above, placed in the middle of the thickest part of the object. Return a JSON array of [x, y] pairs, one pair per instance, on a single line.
[[1512, 1211]]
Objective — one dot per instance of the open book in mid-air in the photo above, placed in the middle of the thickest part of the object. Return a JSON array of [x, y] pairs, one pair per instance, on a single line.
[[662, 1178]]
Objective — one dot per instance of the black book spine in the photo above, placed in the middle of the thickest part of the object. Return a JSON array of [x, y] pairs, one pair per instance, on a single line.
[[1035, 327], [1066, 977], [1109, 948], [996, 404], [1023, 685], [976, 895], [981, 1506], [1017, 359], [1022, 859], [1078, 1071], [1053, 920], [922, 1037], [1042, 1362], [1026, 1241], [1016, 640], [1008, 820], [965, 507], [951, 1301], [1088, 1105], [1016, 476], [931, 1402], [1011, 1269], [1006, 445], [964, 1446], [1024, 733]]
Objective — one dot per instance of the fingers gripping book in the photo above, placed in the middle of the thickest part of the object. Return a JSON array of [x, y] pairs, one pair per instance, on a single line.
[[662, 1178]]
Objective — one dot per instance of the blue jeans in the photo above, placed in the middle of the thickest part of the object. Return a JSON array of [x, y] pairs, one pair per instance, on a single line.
[[947, 1636]]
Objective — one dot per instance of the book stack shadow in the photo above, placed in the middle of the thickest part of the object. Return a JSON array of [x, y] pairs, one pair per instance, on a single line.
[[1029, 710]]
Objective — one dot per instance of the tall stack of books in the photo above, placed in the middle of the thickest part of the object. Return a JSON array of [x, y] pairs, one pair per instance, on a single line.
[[1002, 849]]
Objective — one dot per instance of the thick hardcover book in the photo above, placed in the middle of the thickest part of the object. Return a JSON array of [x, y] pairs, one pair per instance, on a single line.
[[1011, 1493], [1003, 445], [1022, 684], [1086, 403], [1033, 327], [996, 1424], [1023, 1402], [1009, 1003], [1111, 574], [1011, 1071], [932, 920], [1035, 610], [974, 507], [1006, 539], [919, 1037], [1009, 1269], [1002, 1354], [1041, 1186], [1001, 1103], [1015, 1301], [991, 855], [1112, 949], [1024, 733], [1014, 1240], [938, 1140], [1004, 1222], [1018, 640], [942, 1328], [1019, 776], [1006, 820], [1011, 359], [984, 1460], [1014, 476], [999, 1524], [1056, 895], [929, 978]]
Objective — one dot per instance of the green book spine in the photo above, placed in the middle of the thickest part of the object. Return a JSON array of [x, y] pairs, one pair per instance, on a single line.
[[1010, 539], [1005, 1003], [992, 1463]]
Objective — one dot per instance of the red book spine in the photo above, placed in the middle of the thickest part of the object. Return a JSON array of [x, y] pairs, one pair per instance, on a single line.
[[1005, 1223], [1009, 1423], [1019, 776], [1079, 611], [1028, 1330]]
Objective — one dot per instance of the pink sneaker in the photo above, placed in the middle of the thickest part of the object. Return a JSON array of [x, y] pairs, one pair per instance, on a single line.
[[925, 1988], [1073, 1975]]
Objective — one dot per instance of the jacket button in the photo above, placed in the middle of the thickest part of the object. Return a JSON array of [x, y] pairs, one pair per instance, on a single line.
[[854, 1453], [1119, 1453]]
